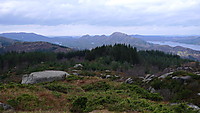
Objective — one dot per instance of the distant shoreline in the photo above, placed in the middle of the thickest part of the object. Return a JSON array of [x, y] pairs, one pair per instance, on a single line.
[[173, 44]]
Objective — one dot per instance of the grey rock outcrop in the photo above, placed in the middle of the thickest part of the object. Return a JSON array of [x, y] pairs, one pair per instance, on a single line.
[[44, 76], [129, 81], [152, 90], [108, 76], [78, 66], [6, 106], [184, 78], [148, 78], [165, 75], [194, 106]]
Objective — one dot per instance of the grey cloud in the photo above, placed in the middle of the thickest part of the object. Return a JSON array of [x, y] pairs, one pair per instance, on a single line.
[[51, 12], [125, 15]]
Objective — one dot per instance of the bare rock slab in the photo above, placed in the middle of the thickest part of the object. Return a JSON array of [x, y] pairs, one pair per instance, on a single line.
[[43, 76]]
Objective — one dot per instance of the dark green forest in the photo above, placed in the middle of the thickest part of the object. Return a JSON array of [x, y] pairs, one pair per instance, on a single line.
[[118, 57]]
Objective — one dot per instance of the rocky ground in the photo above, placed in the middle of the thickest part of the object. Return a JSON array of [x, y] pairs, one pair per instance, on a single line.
[[173, 90]]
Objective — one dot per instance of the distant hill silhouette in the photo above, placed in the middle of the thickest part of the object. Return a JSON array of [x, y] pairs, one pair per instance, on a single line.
[[35, 46], [6, 41]]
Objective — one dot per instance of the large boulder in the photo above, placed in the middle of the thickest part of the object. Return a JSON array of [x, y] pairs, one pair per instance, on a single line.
[[43, 76]]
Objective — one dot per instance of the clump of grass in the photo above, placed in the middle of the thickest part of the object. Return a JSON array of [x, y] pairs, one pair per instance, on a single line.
[[79, 105], [56, 94], [74, 77]]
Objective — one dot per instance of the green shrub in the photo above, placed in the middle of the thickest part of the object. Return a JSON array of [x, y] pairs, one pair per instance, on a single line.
[[183, 94], [59, 87], [98, 86], [56, 94], [79, 105], [157, 84], [73, 77], [183, 108], [1, 109], [24, 102], [2, 87], [13, 102], [142, 92], [87, 73]]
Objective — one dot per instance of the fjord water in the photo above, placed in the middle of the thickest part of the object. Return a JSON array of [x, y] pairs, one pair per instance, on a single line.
[[173, 44]]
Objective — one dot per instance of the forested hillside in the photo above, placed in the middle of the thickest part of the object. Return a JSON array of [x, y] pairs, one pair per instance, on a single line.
[[119, 57]]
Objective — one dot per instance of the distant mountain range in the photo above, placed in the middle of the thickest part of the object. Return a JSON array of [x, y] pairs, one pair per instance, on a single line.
[[89, 42], [29, 37], [36, 46], [32, 37], [8, 45]]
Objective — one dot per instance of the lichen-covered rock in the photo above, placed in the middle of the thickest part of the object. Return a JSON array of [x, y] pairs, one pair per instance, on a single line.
[[78, 66], [185, 78], [129, 81], [108, 76], [193, 106], [6, 106], [44, 76], [148, 78], [152, 90], [165, 75]]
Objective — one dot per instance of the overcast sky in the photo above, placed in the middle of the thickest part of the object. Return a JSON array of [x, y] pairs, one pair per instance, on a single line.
[[79, 17]]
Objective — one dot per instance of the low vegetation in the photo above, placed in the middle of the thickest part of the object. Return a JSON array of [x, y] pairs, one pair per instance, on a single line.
[[85, 95]]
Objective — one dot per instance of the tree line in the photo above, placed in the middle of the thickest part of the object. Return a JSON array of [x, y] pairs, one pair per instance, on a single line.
[[118, 52]]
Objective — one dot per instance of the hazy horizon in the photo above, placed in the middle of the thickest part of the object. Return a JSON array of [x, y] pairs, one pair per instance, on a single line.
[[101, 34], [97, 17]]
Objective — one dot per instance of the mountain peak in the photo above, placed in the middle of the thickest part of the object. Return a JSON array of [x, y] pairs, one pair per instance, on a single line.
[[118, 34]]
